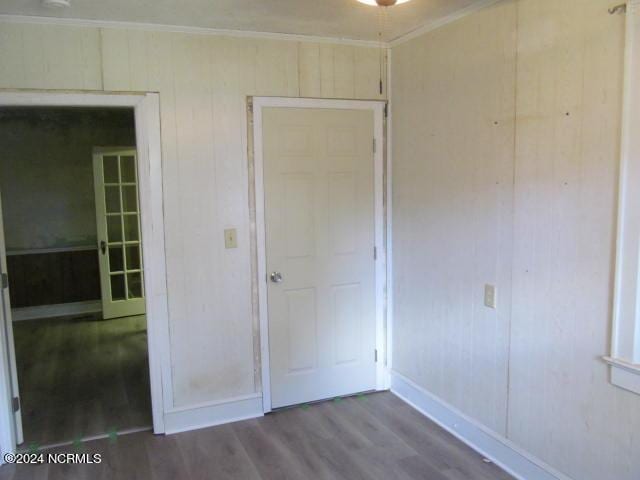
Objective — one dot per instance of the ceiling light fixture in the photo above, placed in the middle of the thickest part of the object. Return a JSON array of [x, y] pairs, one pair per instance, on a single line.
[[56, 3], [383, 3]]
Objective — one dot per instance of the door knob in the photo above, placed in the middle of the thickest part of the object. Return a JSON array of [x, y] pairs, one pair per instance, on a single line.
[[103, 247], [276, 277]]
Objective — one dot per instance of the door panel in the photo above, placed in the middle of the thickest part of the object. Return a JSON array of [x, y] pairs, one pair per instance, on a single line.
[[5, 304], [319, 214], [118, 221]]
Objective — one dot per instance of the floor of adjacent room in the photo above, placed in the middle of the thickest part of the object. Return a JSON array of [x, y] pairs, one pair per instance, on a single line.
[[375, 436], [82, 376]]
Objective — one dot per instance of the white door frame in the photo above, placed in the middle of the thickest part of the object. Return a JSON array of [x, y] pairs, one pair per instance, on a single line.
[[377, 107], [146, 108]]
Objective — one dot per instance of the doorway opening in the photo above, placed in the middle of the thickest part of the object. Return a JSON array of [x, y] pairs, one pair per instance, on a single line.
[[71, 222]]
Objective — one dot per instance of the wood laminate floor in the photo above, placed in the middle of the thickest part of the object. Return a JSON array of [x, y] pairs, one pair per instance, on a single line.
[[81, 377], [376, 436]]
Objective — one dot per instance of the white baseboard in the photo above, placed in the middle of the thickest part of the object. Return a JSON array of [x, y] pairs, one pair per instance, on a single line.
[[216, 413], [498, 449], [58, 310]]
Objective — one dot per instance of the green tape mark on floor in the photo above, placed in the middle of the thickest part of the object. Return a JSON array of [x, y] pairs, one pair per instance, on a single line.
[[362, 396], [305, 406], [34, 447], [337, 399], [77, 443], [113, 435]]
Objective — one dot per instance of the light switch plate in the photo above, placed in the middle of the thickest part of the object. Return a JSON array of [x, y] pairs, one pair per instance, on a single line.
[[230, 238], [490, 296]]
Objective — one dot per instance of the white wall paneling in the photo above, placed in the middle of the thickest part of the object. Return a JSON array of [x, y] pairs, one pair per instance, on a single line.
[[453, 135], [523, 195], [562, 407]]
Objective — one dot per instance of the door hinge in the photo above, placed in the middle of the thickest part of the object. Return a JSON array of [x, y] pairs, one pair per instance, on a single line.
[[374, 145], [5, 280], [15, 402], [386, 110], [375, 253], [375, 355]]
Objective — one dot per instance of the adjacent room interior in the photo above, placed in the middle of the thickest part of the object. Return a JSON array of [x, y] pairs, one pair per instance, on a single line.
[[370, 239], [71, 232]]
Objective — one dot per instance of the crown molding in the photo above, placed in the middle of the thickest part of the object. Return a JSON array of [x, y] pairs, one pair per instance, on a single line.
[[427, 27], [435, 24], [75, 22]]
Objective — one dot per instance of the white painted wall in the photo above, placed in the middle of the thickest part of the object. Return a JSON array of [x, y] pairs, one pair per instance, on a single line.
[[528, 204], [46, 173], [203, 83]]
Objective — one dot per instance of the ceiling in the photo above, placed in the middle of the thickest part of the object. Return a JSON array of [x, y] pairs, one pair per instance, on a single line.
[[326, 18]]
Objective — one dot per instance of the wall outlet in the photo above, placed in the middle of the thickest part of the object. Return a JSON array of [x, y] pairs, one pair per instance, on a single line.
[[490, 296], [230, 238]]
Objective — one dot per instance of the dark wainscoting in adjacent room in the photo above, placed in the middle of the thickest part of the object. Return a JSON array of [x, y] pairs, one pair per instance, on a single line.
[[53, 277]]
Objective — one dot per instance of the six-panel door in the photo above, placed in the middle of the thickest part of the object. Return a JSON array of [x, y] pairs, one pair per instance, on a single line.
[[319, 215]]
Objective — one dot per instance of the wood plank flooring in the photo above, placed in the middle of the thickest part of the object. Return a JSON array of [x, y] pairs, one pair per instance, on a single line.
[[373, 437], [81, 377]]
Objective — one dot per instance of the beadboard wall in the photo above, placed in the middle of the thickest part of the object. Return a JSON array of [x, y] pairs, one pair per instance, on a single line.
[[506, 131]]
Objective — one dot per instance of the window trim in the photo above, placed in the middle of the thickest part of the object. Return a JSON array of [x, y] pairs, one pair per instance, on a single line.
[[625, 339]]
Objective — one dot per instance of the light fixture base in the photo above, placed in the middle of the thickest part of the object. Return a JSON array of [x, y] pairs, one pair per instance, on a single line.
[[383, 3], [56, 3]]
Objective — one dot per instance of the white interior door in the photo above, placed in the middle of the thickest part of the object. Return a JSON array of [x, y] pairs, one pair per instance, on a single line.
[[119, 240], [319, 225], [13, 395]]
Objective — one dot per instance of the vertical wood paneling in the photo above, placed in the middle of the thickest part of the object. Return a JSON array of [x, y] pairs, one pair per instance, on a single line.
[[12, 57], [276, 68], [309, 62], [327, 81], [49, 56], [367, 72], [203, 83], [558, 278], [344, 64], [53, 278], [562, 407], [115, 59], [231, 79], [453, 132]]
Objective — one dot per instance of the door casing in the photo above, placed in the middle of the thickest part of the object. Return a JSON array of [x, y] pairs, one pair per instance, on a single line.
[[380, 235], [146, 107]]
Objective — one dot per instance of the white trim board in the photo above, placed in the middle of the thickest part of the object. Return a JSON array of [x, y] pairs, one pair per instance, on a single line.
[[42, 312], [146, 107], [498, 449], [156, 27], [389, 213], [183, 419], [435, 24], [624, 358], [382, 376], [40, 251]]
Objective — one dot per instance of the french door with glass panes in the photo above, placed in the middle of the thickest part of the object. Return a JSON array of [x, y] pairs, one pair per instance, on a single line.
[[119, 241]]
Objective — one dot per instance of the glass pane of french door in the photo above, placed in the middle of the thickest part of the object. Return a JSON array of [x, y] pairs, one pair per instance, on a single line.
[[123, 227]]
